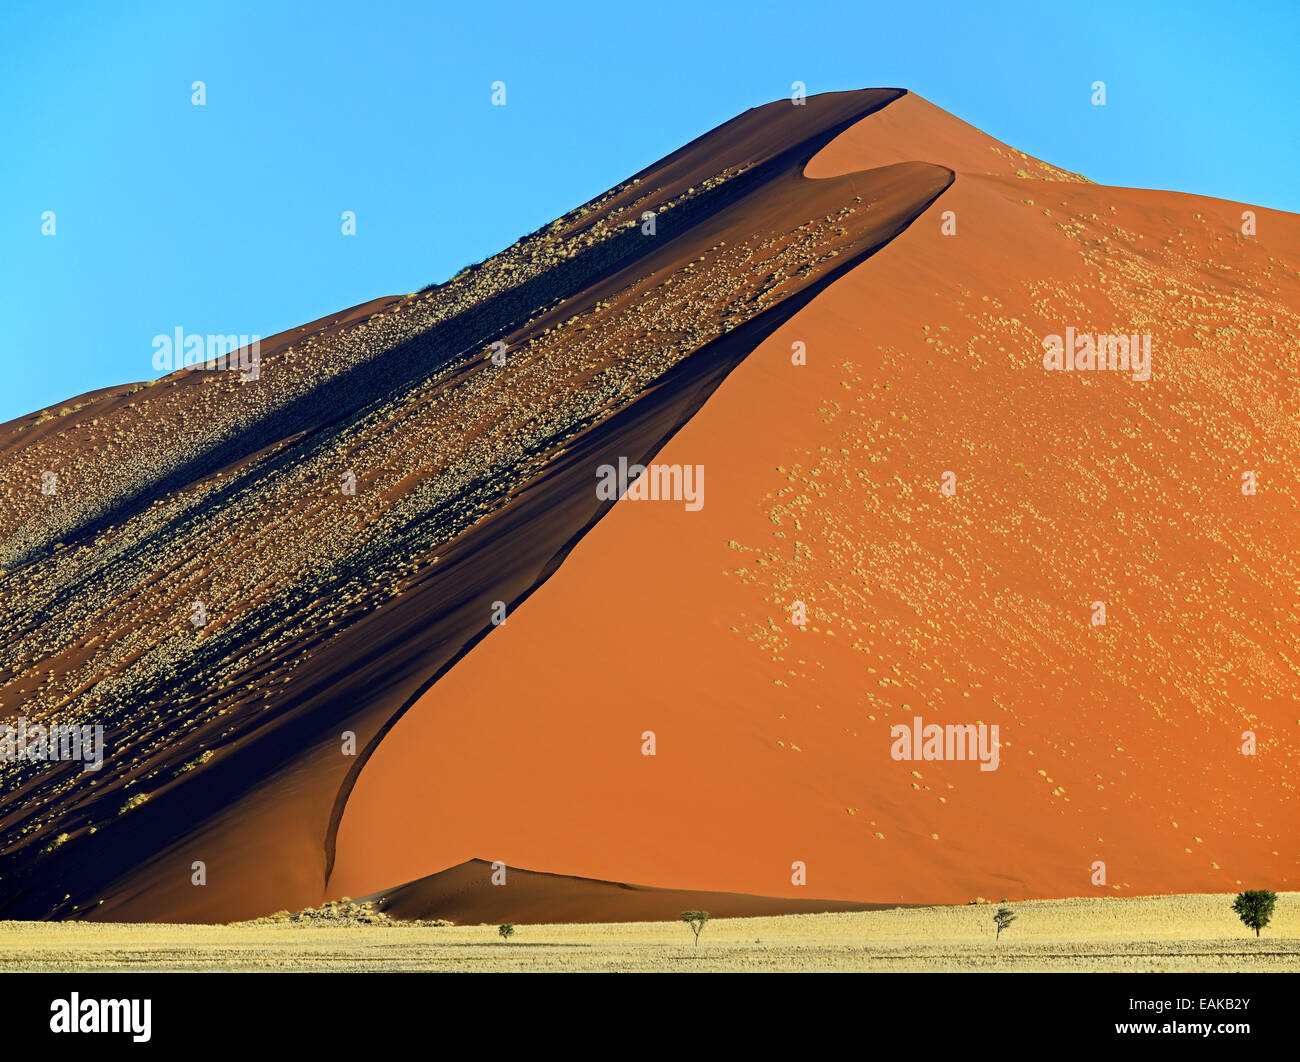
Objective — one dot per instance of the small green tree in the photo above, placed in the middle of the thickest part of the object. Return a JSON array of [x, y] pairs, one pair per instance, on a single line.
[[696, 920], [506, 930], [1002, 918], [1255, 908]]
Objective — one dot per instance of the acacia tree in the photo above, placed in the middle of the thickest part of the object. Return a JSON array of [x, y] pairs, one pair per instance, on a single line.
[[696, 920], [1002, 918], [1255, 908], [506, 930]]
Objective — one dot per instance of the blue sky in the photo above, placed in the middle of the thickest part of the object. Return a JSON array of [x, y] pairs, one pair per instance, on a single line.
[[226, 218]]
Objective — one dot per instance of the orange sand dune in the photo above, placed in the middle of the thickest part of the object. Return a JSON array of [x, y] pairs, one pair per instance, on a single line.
[[1120, 743], [948, 512]]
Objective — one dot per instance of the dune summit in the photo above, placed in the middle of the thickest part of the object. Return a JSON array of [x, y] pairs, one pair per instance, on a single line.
[[376, 615]]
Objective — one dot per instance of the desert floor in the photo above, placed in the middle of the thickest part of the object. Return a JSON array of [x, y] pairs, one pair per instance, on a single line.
[[1158, 933]]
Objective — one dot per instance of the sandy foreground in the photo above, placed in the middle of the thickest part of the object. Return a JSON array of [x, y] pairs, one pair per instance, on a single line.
[[1195, 932]]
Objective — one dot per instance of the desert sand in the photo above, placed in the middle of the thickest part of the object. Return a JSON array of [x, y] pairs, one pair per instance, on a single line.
[[1140, 934]]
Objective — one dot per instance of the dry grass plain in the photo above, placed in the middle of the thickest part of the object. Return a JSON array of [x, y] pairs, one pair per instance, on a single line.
[[1157, 933]]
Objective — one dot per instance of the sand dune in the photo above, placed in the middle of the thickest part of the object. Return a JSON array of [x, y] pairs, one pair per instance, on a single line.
[[467, 894], [343, 720], [1122, 742]]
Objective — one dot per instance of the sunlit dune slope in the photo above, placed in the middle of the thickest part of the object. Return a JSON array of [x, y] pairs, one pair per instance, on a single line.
[[1121, 744]]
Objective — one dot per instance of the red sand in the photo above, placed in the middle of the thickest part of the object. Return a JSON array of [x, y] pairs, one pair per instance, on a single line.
[[1120, 743]]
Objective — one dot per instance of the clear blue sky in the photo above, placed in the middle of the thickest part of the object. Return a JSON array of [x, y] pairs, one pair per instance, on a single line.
[[226, 218]]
